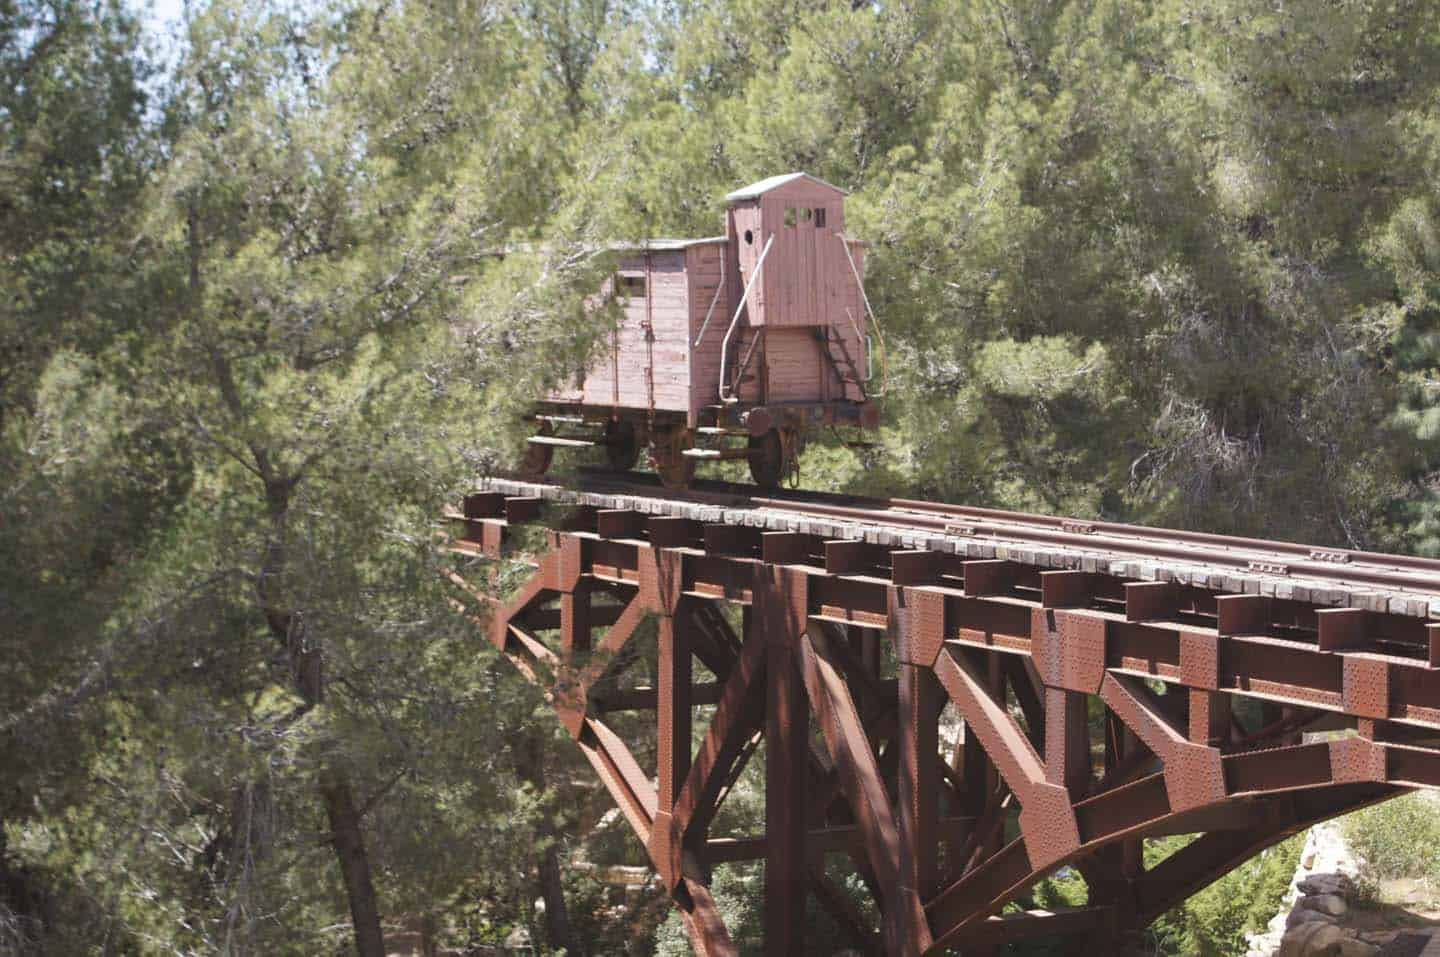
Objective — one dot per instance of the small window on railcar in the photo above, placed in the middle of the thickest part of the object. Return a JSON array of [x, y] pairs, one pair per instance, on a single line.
[[789, 217], [819, 217], [749, 237], [632, 287]]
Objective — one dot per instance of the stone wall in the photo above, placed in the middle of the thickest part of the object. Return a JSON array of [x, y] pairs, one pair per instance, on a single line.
[[1321, 893]]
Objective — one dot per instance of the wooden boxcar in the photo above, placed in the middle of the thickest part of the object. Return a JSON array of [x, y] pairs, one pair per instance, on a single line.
[[728, 347]]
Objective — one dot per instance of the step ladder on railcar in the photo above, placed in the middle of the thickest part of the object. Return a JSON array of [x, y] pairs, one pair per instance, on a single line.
[[770, 454], [833, 346], [620, 440]]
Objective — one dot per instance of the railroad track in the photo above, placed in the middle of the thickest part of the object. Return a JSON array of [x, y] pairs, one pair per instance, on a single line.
[[1353, 571], [1213, 658]]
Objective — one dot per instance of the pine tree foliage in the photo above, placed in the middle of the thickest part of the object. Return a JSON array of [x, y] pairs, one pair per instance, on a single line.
[[266, 310]]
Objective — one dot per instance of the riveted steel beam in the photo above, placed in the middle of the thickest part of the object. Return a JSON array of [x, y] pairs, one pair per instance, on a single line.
[[1022, 651]]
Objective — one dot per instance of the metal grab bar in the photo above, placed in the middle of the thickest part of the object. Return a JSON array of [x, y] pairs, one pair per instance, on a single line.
[[880, 336], [725, 346]]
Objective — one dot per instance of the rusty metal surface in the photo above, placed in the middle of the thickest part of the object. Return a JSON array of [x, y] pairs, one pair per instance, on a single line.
[[946, 831], [1386, 584]]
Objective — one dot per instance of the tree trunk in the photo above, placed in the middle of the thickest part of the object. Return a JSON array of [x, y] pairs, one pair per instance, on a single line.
[[307, 670], [354, 862], [552, 888], [557, 916]]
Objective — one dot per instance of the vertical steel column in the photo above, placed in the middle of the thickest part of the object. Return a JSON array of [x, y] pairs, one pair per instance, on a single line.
[[575, 619], [918, 793], [1209, 717], [674, 635], [1120, 743], [995, 789], [870, 656], [780, 601], [974, 773], [1067, 741], [672, 736]]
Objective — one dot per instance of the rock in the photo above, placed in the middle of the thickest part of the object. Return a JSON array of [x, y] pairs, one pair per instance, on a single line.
[[1293, 943], [1353, 947], [1332, 904], [1304, 915], [1312, 939], [1318, 898], [1327, 884]]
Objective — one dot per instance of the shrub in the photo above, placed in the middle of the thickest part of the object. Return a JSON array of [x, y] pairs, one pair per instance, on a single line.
[[1398, 838], [1213, 922]]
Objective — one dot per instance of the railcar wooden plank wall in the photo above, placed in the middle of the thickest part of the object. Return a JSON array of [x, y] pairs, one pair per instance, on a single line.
[[646, 363], [1208, 692]]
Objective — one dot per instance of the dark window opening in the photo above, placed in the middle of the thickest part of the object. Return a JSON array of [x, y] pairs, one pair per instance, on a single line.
[[632, 287], [820, 217], [805, 214], [749, 238], [789, 217]]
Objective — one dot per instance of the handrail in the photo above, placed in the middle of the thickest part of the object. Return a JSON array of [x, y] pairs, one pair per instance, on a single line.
[[724, 255], [880, 336], [869, 364], [725, 346]]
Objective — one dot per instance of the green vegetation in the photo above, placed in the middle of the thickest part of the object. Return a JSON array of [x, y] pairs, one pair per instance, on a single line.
[[1398, 838], [1168, 261], [1214, 922]]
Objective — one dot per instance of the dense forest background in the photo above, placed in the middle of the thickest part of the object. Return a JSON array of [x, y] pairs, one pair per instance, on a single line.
[[1167, 261]]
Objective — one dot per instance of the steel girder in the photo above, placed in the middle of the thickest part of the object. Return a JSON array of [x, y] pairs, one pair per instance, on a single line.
[[1020, 655]]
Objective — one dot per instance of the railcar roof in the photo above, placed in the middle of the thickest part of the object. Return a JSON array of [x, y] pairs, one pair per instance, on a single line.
[[663, 244], [774, 182]]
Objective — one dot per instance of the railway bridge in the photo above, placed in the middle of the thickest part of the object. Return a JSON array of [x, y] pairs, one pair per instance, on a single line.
[[921, 680]]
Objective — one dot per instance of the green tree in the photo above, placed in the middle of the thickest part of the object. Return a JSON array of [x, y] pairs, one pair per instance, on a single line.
[[73, 154], [326, 319]]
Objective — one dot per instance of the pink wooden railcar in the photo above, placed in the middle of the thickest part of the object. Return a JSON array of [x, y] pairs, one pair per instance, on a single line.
[[730, 346]]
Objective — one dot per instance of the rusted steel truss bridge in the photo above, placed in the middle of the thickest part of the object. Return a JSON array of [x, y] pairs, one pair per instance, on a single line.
[[1248, 689]]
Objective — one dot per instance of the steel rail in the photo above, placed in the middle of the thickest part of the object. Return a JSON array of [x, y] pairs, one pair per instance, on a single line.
[[1416, 562], [1177, 761], [1239, 553]]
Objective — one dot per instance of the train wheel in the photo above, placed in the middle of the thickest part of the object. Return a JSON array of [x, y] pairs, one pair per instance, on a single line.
[[767, 459], [676, 470], [537, 458], [622, 445]]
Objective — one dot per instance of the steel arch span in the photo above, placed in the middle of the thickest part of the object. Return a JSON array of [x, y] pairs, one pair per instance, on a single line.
[[1216, 664]]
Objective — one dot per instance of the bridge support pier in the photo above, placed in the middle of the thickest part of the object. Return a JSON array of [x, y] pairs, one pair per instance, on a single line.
[[787, 753], [926, 719]]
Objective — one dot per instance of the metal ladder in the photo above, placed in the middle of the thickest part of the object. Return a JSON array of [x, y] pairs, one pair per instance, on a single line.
[[830, 341]]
